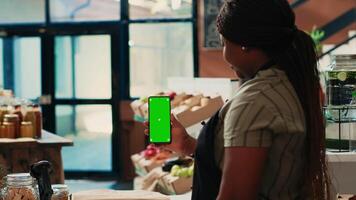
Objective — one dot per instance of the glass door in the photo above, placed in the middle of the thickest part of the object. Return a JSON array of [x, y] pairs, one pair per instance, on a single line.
[[83, 100], [20, 66]]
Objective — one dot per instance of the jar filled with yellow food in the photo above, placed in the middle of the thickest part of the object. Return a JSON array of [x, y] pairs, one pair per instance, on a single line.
[[20, 186]]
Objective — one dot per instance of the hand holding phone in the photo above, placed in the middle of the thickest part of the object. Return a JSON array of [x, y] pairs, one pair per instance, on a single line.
[[159, 116], [160, 132]]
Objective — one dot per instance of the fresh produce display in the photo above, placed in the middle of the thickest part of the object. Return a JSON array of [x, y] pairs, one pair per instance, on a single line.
[[162, 156], [150, 158], [171, 95], [189, 109], [163, 171], [150, 151], [155, 154], [179, 102], [181, 161], [183, 172]]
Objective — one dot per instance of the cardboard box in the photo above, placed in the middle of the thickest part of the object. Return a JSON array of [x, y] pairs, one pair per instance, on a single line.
[[192, 101], [149, 182], [173, 185], [135, 158], [189, 117], [135, 106], [144, 166], [174, 103], [178, 99], [144, 110], [149, 165]]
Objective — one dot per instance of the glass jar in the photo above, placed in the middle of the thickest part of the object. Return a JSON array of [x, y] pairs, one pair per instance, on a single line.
[[3, 111], [20, 186], [33, 116], [60, 192], [38, 125], [18, 112], [2, 133], [26, 130], [8, 130], [13, 118]]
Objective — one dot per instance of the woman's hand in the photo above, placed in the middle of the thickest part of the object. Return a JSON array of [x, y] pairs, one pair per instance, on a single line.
[[181, 141]]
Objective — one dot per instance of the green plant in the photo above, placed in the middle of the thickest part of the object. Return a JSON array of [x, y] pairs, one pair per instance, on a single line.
[[317, 35]]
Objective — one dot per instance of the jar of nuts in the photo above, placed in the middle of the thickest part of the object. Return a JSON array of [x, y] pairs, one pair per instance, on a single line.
[[60, 192], [20, 187]]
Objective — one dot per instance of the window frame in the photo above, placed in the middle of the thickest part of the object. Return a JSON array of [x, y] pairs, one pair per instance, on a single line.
[[120, 66]]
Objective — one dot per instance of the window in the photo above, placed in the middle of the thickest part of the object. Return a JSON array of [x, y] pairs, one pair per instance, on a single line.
[[20, 11], [83, 72], [83, 67], [143, 9], [90, 127], [158, 51], [84, 10], [1, 64], [119, 50], [20, 66], [27, 67]]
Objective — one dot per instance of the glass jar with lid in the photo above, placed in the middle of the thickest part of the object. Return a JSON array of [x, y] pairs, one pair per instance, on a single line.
[[60, 192], [26, 130], [13, 118], [20, 186], [8, 130]]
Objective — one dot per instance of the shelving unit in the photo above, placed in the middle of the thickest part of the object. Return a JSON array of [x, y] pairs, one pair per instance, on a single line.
[[340, 115]]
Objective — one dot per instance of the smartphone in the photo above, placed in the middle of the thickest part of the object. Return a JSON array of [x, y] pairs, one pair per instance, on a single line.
[[159, 118]]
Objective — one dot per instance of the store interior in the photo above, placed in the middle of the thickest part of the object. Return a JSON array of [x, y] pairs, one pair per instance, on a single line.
[[80, 71]]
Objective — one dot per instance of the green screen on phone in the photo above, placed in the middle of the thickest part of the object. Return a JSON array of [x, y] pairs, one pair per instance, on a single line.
[[159, 111]]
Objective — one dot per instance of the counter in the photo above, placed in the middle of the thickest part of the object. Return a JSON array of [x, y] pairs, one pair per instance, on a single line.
[[17, 155]]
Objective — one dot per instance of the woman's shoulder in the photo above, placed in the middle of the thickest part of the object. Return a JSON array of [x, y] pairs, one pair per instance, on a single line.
[[265, 90]]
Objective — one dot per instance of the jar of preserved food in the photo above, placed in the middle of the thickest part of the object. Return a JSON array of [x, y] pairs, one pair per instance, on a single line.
[[13, 118], [2, 135], [31, 117], [3, 111], [8, 130], [38, 116], [27, 130], [18, 112], [20, 186], [60, 192]]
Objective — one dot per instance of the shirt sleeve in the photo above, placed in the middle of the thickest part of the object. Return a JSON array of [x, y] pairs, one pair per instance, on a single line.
[[249, 124]]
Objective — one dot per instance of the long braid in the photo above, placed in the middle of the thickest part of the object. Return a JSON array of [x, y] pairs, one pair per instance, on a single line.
[[300, 65]]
